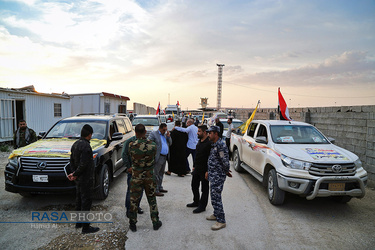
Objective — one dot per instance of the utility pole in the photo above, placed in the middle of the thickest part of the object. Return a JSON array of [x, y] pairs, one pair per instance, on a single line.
[[219, 83]]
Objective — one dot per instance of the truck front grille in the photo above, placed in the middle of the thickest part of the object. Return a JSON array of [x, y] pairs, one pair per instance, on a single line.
[[43, 165], [347, 169]]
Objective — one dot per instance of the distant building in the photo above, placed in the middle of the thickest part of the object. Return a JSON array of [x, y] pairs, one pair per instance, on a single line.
[[103, 102], [40, 110]]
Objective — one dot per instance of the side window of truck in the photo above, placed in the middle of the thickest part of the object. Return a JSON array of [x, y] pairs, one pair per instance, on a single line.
[[121, 126], [128, 125], [112, 128], [262, 131], [251, 129]]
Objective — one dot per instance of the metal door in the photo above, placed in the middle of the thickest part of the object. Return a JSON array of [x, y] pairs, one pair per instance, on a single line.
[[7, 119]]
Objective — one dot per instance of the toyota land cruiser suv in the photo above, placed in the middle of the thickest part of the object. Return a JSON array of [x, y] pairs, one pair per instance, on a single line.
[[43, 166]]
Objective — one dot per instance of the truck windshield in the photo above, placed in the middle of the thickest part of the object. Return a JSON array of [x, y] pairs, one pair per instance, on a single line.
[[294, 134], [145, 121], [72, 129]]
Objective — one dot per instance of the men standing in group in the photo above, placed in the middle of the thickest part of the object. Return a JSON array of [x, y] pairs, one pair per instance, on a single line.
[[142, 152], [220, 125], [163, 140], [23, 136], [218, 169], [200, 170], [191, 145], [228, 135], [82, 165], [128, 165]]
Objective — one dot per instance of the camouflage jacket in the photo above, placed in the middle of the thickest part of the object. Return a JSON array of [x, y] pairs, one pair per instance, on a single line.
[[142, 152], [218, 161], [23, 138], [125, 152]]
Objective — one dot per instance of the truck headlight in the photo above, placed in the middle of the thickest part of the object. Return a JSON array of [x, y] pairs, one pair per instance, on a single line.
[[358, 163], [14, 162], [295, 164]]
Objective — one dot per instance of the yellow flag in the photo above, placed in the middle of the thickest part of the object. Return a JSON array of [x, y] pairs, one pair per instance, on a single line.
[[172, 114], [250, 119], [203, 117]]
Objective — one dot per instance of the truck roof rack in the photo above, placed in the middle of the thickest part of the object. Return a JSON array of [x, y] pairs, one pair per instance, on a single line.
[[110, 114]]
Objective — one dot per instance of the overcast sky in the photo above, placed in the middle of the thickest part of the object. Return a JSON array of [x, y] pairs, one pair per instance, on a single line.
[[320, 53]]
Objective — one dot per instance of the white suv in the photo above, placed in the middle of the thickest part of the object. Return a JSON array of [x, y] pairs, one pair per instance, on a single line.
[[295, 157]]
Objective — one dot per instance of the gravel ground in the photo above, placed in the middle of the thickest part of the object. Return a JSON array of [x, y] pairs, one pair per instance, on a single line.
[[252, 222], [14, 207]]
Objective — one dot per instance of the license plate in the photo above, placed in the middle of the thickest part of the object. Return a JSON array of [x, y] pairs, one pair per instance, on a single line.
[[40, 178], [336, 186]]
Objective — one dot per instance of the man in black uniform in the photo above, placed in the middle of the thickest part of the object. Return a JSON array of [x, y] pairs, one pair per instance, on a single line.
[[200, 170], [82, 165]]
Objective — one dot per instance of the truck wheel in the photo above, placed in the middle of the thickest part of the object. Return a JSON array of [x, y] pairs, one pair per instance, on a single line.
[[275, 194], [341, 199], [237, 161], [103, 189]]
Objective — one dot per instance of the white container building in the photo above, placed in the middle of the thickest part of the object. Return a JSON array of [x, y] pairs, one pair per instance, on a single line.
[[98, 103], [39, 110]]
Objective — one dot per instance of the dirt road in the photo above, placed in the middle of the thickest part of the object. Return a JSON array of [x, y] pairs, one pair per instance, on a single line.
[[252, 222]]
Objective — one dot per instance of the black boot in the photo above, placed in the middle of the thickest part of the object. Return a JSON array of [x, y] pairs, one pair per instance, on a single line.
[[157, 225], [133, 227]]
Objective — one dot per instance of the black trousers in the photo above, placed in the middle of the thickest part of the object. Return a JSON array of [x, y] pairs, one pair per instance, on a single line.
[[196, 181], [84, 198], [227, 142]]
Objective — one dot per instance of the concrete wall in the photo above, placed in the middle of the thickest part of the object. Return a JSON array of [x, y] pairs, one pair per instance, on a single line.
[[353, 127], [142, 109]]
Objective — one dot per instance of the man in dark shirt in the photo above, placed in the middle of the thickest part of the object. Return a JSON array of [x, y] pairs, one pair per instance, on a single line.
[[220, 125], [82, 165], [200, 170]]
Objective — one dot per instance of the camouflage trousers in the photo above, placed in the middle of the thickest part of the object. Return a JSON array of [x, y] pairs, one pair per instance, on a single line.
[[143, 180], [216, 201]]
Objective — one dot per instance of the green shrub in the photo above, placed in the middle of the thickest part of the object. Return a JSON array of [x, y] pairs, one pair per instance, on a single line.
[[4, 148]]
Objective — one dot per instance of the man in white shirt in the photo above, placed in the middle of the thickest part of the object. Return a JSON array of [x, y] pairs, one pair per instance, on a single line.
[[192, 132]]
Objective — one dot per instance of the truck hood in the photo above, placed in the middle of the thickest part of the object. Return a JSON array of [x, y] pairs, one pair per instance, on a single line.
[[316, 152], [52, 148]]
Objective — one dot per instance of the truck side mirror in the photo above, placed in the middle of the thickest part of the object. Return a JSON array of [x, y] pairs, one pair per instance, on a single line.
[[261, 139], [332, 140], [117, 136], [41, 134]]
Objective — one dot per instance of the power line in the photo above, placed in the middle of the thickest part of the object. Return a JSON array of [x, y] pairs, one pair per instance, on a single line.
[[271, 91]]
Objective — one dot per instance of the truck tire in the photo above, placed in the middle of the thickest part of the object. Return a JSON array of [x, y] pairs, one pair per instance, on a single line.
[[237, 161], [103, 189], [342, 199], [275, 194]]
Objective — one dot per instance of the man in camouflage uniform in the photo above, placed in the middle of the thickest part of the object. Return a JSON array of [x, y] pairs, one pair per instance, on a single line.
[[142, 152], [218, 169], [23, 136], [128, 165]]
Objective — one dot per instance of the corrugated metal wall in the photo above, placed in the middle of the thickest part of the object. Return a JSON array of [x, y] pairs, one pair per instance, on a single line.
[[39, 109], [85, 104], [113, 102]]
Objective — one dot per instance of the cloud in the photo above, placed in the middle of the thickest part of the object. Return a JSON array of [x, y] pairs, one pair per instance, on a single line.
[[348, 68]]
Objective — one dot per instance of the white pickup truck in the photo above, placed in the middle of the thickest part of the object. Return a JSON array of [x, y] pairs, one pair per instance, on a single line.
[[295, 157]]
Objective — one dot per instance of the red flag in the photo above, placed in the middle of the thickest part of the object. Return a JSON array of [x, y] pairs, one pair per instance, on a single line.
[[178, 103], [284, 112], [158, 109]]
